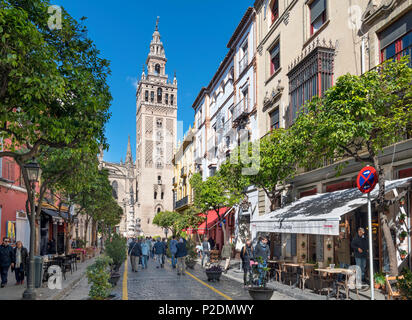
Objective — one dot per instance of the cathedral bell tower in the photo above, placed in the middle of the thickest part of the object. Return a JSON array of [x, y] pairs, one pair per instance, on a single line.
[[156, 116]]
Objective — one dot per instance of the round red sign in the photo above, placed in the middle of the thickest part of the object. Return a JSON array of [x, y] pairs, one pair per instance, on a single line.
[[367, 179]]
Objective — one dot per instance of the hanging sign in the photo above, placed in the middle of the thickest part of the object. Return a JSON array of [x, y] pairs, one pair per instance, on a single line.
[[367, 179]]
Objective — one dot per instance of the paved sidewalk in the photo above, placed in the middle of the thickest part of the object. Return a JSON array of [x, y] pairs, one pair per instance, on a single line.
[[13, 292], [236, 274]]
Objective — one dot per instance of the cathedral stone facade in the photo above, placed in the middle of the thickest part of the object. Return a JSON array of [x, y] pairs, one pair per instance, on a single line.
[[145, 188]]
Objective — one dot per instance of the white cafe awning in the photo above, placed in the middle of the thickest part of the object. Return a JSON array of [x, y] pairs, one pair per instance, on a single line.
[[320, 213]]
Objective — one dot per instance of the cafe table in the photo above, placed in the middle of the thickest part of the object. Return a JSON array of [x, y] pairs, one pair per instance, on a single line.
[[294, 265], [335, 271]]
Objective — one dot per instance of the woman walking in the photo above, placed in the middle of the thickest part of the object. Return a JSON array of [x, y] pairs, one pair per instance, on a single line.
[[145, 254], [227, 254], [247, 256], [20, 267]]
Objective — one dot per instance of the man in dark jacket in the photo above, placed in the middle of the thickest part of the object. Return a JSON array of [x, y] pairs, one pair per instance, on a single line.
[[247, 255], [212, 243], [181, 253], [21, 264], [159, 251], [7, 259], [360, 246], [135, 251], [262, 251]]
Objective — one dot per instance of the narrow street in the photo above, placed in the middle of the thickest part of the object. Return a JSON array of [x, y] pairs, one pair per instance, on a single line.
[[165, 284]]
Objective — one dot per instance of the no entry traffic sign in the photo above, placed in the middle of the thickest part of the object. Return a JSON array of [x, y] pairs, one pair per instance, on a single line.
[[367, 179]]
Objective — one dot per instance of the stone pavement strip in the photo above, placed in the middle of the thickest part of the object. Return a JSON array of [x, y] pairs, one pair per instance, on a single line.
[[13, 292], [165, 284]]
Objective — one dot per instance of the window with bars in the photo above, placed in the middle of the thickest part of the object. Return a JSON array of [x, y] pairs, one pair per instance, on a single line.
[[317, 15], [310, 77], [274, 58], [275, 10]]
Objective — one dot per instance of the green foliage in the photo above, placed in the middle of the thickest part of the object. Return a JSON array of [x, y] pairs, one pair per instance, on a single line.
[[116, 249], [98, 274], [379, 278], [405, 284], [167, 220]]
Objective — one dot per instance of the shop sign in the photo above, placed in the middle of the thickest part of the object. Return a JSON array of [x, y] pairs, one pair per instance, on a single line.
[[367, 179]]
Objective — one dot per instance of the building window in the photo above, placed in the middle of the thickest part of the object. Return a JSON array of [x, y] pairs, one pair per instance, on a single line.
[[162, 195], [275, 10], [275, 58], [146, 96], [167, 98], [157, 69], [155, 195], [172, 99], [151, 96], [159, 123], [396, 40], [317, 15], [310, 77], [115, 187], [244, 60], [274, 119], [159, 95]]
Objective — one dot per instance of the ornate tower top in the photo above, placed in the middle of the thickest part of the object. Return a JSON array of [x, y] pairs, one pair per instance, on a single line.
[[129, 158], [156, 59]]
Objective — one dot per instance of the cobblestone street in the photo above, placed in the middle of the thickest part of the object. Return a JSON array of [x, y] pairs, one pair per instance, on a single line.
[[165, 284]]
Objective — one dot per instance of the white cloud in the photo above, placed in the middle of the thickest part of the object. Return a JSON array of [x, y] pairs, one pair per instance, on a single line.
[[133, 81]]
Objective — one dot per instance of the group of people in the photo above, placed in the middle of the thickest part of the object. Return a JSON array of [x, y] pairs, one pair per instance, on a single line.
[[141, 250], [256, 256], [15, 259]]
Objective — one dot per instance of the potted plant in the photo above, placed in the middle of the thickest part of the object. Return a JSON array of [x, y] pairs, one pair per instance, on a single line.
[[403, 254], [190, 259], [214, 272], [329, 260], [303, 244], [402, 201], [303, 256], [403, 235], [405, 284], [379, 280], [98, 276], [116, 249], [329, 246], [402, 218], [260, 292]]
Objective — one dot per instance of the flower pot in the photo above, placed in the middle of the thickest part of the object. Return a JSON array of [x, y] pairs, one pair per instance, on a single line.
[[213, 275], [377, 285], [114, 278], [259, 293], [401, 221], [403, 256], [190, 264], [401, 239]]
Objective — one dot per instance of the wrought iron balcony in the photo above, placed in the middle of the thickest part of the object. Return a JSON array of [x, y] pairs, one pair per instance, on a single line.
[[243, 63], [241, 110], [182, 202]]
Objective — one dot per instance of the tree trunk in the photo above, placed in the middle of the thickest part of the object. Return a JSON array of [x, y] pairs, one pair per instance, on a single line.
[[384, 221], [86, 226], [68, 237], [94, 233]]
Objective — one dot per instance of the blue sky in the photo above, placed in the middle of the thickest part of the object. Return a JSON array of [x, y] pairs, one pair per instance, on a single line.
[[194, 34]]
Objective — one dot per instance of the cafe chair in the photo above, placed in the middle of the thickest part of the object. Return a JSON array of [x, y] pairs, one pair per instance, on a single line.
[[307, 272], [390, 283]]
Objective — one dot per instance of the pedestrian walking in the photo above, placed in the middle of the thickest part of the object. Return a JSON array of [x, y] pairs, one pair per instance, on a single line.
[[247, 256], [145, 254], [165, 251], [181, 253], [135, 251], [262, 250], [342, 251], [7, 260], [149, 245], [205, 251], [152, 247], [226, 254], [360, 246], [173, 250], [20, 268], [159, 251], [212, 243]]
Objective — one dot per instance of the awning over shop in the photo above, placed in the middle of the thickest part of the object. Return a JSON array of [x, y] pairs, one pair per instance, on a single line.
[[55, 214], [212, 220], [318, 214]]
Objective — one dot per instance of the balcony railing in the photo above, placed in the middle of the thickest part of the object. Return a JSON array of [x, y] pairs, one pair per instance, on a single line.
[[405, 52], [243, 63], [182, 202], [183, 172], [241, 109]]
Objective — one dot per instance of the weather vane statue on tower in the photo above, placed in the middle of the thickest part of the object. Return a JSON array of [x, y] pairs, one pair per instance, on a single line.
[[157, 23]]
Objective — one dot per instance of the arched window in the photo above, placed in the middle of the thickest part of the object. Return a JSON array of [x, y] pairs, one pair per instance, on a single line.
[[162, 195], [155, 195], [159, 95], [115, 188], [158, 210], [157, 69]]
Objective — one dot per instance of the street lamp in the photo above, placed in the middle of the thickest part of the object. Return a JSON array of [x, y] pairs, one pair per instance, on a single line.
[[33, 170]]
